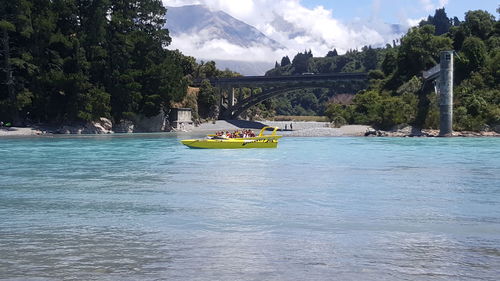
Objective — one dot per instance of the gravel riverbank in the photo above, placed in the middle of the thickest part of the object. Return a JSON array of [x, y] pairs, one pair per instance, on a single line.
[[287, 129], [19, 131], [293, 129]]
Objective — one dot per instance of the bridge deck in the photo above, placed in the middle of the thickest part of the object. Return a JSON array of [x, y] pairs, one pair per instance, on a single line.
[[313, 79]]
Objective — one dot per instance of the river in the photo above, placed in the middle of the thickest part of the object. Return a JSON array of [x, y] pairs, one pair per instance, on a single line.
[[144, 207]]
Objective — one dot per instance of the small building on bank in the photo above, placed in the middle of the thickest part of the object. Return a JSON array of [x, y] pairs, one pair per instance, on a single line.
[[181, 119]]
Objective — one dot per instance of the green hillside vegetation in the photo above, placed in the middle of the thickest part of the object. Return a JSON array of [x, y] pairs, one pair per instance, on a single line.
[[207, 104], [396, 94], [65, 61]]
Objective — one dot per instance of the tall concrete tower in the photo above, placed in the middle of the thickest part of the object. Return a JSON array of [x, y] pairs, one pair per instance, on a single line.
[[446, 94]]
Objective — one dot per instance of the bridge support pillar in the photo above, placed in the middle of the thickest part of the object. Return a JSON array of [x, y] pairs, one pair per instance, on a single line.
[[446, 94], [227, 101], [232, 97]]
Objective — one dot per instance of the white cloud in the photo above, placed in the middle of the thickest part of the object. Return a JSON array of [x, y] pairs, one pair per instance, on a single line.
[[442, 3], [218, 49], [289, 23], [430, 5], [427, 5], [177, 3], [414, 22]]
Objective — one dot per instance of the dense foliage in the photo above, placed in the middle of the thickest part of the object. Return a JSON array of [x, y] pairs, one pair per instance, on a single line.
[[69, 60], [314, 101], [397, 93]]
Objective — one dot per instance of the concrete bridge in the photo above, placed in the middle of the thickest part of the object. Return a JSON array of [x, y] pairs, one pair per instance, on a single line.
[[233, 103]]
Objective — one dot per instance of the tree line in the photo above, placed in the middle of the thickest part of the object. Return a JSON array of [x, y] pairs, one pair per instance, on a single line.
[[66, 61]]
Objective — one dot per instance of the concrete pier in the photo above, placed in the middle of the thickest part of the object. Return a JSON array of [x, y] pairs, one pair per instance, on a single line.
[[232, 96], [446, 94]]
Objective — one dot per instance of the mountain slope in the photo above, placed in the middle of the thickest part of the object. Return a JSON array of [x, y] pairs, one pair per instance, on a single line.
[[245, 67], [214, 25]]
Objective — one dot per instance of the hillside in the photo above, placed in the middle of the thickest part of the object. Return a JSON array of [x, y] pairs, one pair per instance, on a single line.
[[395, 94]]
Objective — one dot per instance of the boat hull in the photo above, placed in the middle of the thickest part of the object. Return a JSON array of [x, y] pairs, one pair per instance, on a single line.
[[231, 143]]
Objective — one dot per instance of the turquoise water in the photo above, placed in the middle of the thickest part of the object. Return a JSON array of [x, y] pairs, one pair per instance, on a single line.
[[147, 208]]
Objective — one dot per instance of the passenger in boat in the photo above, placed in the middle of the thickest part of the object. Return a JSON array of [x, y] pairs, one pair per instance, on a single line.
[[218, 135]]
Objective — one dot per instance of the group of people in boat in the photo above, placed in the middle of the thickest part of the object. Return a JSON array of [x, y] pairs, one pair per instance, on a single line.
[[235, 134]]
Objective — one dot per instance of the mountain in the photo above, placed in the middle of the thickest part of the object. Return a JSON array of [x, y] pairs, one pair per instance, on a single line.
[[205, 26], [244, 67], [198, 19]]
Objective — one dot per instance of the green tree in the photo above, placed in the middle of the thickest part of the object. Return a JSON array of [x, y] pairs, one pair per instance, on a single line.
[[300, 62], [333, 53], [440, 20], [207, 100], [285, 61], [368, 108], [370, 60], [390, 62], [474, 52], [16, 64], [479, 23], [338, 114], [419, 50], [397, 110]]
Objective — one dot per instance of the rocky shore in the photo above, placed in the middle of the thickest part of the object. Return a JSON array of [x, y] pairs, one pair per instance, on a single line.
[[102, 126], [409, 131], [18, 131], [294, 129]]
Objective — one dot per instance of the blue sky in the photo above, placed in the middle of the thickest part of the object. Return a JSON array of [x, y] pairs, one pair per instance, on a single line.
[[392, 11]]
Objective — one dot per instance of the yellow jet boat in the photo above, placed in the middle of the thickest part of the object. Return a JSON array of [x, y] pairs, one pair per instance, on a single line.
[[260, 141]]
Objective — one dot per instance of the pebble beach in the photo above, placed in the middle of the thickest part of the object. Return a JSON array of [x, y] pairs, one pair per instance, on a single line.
[[287, 129]]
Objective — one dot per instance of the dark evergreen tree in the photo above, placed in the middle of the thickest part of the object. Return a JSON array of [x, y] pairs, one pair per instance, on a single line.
[[16, 67], [390, 62], [332, 53], [300, 62], [80, 60], [370, 59], [440, 21], [285, 61]]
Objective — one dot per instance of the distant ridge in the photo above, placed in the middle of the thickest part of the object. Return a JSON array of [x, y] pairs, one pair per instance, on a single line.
[[244, 67], [198, 19]]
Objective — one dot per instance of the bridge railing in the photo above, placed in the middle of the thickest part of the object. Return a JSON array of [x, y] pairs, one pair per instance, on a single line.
[[266, 80]]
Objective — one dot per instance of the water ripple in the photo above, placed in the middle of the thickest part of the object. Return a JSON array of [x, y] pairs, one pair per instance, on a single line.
[[147, 208]]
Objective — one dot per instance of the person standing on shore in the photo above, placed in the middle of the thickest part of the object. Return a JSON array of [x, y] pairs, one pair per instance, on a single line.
[[286, 127], [291, 127]]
